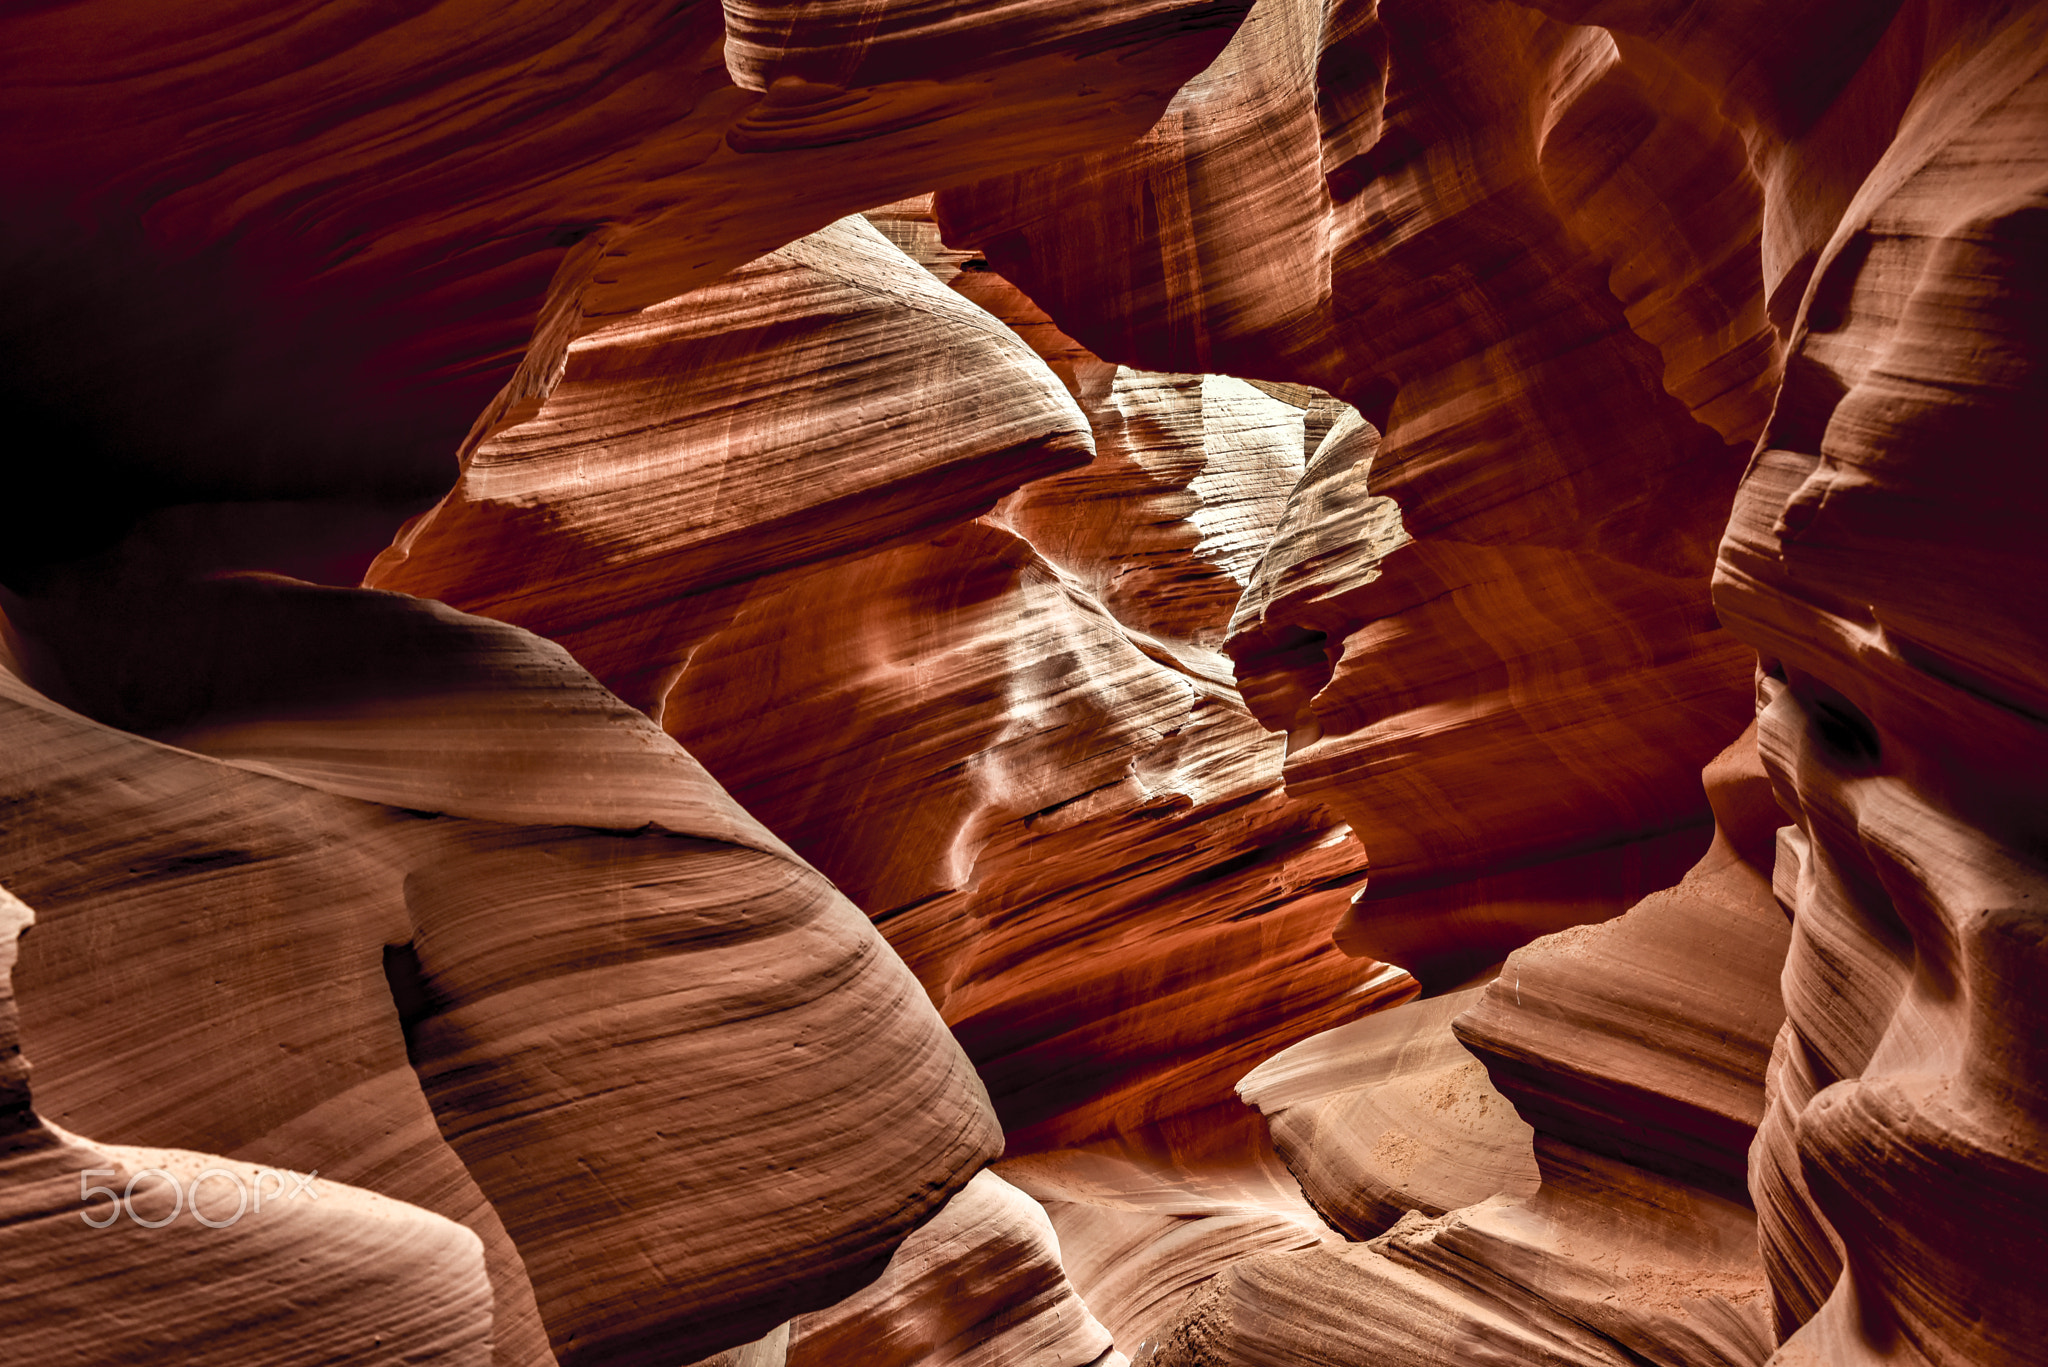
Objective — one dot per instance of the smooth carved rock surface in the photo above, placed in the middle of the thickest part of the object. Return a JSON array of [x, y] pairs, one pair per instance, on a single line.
[[1635, 1050], [979, 1283], [1037, 778], [1525, 254], [180, 1268], [1901, 715], [825, 399], [1647, 1038], [1392, 1114], [328, 236], [1083, 591], [1581, 1275], [428, 879], [1148, 1218]]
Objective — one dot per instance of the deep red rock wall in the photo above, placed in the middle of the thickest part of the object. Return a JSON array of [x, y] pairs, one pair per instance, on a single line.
[[293, 252], [1526, 255], [1037, 777], [1259, 510]]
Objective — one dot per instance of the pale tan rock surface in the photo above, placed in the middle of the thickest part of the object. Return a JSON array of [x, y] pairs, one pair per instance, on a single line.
[[177, 1265], [635, 1016], [1391, 1114], [1148, 1218], [979, 1283], [1582, 1274]]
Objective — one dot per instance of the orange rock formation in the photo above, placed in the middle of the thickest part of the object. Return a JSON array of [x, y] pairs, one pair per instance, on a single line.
[[800, 684]]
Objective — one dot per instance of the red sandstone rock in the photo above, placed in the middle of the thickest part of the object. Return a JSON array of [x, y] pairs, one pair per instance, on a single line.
[[980, 1282], [1451, 216], [1051, 799], [1636, 1050], [433, 881], [1584, 1274], [321, 235], [1647, 1038], [829, 398], [1900, 714], [276, 265], [178, 1266], [1146, 1219], [1392, 1114]]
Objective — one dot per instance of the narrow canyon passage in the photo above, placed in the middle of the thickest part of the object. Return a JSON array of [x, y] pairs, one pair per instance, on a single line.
[[1179, 681]]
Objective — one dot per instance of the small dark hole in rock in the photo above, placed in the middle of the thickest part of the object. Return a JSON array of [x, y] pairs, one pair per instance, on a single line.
[[1845, 733]]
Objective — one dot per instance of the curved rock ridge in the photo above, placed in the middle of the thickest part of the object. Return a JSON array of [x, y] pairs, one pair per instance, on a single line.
[[1191, 472], [823, 400], [323, 234], [941, 674], [1080, 849], [1191, 475], [1391, 1114], [1496, 1282], [1635, 1050], [1647, 1038], [1901, 1174], [981, 1282], [176, 1263], [677, 1084], [1525, 254], [1149, 1217], [1029, 766]]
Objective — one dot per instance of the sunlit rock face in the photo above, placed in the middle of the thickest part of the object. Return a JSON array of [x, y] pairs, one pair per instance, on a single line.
[[1527, 255], [989, 706], [1043, 695]]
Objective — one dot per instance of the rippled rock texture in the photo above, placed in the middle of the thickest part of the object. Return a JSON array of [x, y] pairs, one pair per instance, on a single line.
[[1549, 1168], [168, 1258], [1466, 221], [1504, 199], [989, 706], [366, 886], [1902, 1173], [1010, 585], [328, 237]]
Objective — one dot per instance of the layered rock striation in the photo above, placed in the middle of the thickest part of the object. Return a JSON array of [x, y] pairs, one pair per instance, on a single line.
[[1900, 1172], [291, 254], [368, 887], [987, 705], [1467, 222], [1550, 1167], [168, 1257], [1045, 666]]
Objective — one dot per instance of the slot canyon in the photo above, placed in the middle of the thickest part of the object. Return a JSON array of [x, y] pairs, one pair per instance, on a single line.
[[1037, 683]]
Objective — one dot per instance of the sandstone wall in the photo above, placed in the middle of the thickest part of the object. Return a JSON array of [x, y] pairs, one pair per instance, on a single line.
[[1018, 580]]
